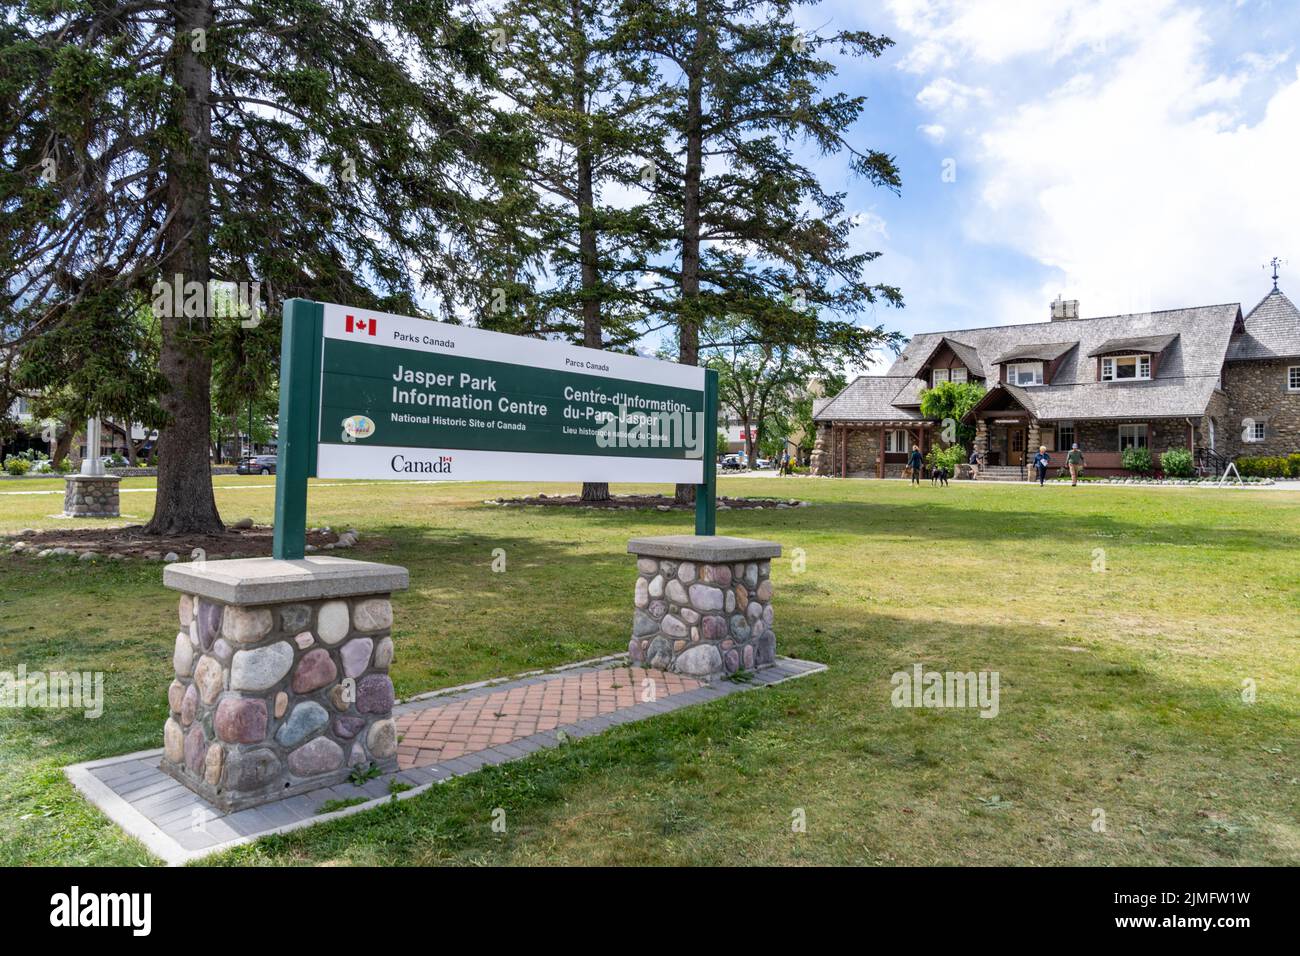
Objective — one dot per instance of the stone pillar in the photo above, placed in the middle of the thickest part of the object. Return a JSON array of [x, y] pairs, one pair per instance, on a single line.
[[820, 464], [282, 679], [703, 604], [982, 437], [1034, 440], [92, 496]]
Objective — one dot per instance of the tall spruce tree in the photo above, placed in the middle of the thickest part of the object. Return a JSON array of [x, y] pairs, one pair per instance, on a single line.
[[757, 234], [581, 95], [344, 151]]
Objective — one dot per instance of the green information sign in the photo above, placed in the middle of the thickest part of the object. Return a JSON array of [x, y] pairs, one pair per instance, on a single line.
[[371, 395]]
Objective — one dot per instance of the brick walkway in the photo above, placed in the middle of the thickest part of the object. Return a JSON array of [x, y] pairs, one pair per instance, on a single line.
[[446, 735], [444, 731]]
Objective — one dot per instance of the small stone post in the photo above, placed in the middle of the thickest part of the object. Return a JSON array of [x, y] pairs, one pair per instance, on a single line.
[[282, 679], [92, 493], [92, 496], [703, 604]]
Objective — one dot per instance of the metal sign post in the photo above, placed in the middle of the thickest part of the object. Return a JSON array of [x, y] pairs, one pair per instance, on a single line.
[[300, 351], [706, 494]]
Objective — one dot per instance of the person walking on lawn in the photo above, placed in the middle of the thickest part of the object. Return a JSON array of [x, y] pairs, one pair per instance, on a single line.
[[914, 462], [1075, 460], [1041, 461]]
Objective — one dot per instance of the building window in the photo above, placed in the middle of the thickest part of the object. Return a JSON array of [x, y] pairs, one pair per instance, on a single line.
[[1253, 431], [1025, 373], [1064, 435], [896, 441], [938, 375], [1132, 436], [959, 375], [1125, 368], [1293, 379]]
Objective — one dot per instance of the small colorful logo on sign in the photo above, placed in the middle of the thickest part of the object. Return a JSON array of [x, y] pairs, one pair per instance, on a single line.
[[361, 326], [358, 426]]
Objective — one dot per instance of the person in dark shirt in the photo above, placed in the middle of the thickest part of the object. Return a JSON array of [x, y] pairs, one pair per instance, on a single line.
[[1041, 461], [914, 462]]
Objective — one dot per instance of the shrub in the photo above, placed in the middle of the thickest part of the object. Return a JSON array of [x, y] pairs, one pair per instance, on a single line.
[[1265, 466], [949, 457], [17, 466], [1137, 460], [1293, 461], [64, 466], [1177, 463]]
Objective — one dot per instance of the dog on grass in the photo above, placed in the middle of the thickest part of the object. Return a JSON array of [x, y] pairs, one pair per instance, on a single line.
[[939, 476]]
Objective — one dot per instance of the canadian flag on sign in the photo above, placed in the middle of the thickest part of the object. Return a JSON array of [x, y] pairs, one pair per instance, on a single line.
[[362, 326]]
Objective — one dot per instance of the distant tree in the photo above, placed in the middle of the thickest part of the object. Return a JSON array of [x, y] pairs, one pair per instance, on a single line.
[[576, 91], [949, 402], [105, 365], [753, 230]]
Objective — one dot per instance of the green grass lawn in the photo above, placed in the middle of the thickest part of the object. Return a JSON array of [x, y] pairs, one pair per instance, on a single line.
[[1120, 690]]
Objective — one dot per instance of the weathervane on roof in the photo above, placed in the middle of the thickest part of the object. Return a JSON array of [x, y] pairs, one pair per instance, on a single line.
[[1275, 264]]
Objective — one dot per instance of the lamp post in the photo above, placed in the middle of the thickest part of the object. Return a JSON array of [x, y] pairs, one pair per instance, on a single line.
[[90, 464]]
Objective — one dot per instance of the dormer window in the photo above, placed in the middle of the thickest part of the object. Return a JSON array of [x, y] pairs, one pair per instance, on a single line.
[[938, 375], [1025, 373], [1118, 368]]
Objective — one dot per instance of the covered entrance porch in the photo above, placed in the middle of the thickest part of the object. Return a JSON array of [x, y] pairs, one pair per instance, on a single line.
[[1006, 433]]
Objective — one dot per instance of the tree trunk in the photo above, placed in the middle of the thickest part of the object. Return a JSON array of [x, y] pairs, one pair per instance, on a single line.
[[185, 502], [592, 329], [688, 327], [63, 442]]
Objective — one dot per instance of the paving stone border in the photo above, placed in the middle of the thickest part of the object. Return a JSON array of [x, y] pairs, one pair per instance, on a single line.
[[179, 826]]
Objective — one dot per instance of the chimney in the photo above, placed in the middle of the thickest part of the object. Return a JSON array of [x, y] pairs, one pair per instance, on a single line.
[[1067, 309]]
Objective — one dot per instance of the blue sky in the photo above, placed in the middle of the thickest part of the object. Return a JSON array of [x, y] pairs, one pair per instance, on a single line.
[[1132, 154]]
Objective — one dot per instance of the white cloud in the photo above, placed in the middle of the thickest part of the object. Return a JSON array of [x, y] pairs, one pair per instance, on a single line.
[[946, 94], [933, 132], [1142, 174], [996, 31]]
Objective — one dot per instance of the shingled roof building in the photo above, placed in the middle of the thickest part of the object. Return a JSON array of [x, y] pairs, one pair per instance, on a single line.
[[1203, 378]]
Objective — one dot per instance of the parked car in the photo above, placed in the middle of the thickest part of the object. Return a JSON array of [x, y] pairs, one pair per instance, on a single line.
[[256, 465], [764, 463], [733, 462]]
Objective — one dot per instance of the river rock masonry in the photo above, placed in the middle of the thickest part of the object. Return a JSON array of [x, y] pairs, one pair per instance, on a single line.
[[702, 604], [281, 676]]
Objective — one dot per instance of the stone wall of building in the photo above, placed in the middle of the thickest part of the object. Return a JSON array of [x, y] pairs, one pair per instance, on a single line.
[[1216, 415], [703, 618], [864, 446], [275, 699], [1165, 433], [1257, 391]]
